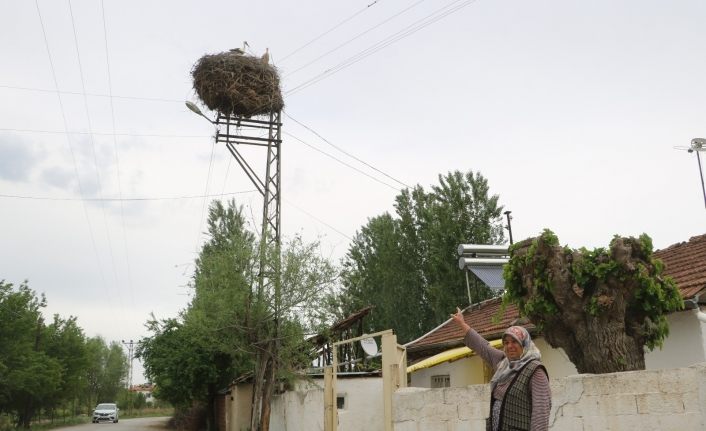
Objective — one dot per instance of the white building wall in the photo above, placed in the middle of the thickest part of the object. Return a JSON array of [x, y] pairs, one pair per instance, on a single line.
[[554, 360], [683, 347], [302, 409], [702, 327], [238, 407]]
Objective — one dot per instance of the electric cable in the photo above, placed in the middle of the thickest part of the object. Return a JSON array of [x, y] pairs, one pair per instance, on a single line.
[[137, 135], [341, 162], [124, 199], [345, 152], [117, 158], [317, 219], [359, 35], [93, 150], [201, 137], [75, 93], [73, 156], [407, 31], [366, 8], [203, 206]]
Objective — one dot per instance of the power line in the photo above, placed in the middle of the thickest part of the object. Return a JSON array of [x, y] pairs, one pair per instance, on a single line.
[[359, 35], [201, 137], [76, 93], [93, 150], [318, 219], [117, 158], [407, 31], [341, 161], [203, 206], [163, 198], [329, 30], [71, 151], [137, 135], [345, 152]]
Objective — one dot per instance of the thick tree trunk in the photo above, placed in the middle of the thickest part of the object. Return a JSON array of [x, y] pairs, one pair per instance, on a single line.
[[593, 324], [268, 391], [211, 419], [263, 389], [259, 378], [24, 419]]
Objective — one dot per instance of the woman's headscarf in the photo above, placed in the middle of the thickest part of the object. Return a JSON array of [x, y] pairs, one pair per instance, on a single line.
[[506, 368]]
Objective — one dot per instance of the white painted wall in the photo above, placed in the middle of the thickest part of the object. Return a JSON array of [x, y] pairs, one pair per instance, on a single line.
[[554, 360], [655, 400], [238, 407], [302, 409], [683, 347]]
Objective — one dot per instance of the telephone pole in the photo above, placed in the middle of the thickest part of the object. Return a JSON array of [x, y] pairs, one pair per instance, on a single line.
[[130, 348]]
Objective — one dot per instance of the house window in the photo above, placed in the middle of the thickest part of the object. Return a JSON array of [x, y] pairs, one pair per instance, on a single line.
[[341, 402], [441, 381]]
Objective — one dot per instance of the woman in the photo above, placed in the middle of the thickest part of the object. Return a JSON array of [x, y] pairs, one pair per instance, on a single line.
[[520, 395]]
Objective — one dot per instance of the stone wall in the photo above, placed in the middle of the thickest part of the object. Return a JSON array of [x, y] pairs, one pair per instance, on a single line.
[[656, 400]]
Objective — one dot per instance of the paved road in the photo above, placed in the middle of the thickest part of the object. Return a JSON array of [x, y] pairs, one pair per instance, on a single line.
[[139, 424]]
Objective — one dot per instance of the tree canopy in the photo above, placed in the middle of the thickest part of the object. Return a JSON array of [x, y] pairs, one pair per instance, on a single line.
[[218, 336], [46, 366], [602, 306], [406, 264]]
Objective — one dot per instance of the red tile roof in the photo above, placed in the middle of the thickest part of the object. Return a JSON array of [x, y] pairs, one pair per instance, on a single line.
[[685, 262], [481, 317]]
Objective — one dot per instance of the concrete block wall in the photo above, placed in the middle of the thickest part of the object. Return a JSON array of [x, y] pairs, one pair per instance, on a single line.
[[656, 400]]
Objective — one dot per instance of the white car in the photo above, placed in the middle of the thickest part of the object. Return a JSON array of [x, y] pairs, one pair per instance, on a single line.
[[106, 412]]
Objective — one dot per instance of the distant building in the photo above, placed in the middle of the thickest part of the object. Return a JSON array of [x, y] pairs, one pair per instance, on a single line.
[[145, 389]]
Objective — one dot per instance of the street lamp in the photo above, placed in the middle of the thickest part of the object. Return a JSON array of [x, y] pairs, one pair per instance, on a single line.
[[192, 106]]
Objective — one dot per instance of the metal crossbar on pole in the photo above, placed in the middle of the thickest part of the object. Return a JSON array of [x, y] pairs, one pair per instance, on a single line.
[[235, 130]]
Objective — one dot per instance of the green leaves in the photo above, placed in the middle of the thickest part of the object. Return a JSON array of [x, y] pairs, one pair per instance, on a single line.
[[406, 264], [229, 320], [45, 366], [576, 294]]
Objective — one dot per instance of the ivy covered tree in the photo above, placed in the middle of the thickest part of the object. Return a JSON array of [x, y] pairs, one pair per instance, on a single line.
[[406, 265], [602, 306]]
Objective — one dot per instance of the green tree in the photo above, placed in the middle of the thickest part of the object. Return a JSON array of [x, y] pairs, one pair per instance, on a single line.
[[406, 265], [106, 371], [64, 341], [229, 322], [28, 376], [602, 306]]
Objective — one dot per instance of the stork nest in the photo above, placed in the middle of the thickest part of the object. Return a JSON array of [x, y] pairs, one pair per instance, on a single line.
[[237, 84]]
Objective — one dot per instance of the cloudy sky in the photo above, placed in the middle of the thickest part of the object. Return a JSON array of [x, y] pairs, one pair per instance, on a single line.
[[571, 109]]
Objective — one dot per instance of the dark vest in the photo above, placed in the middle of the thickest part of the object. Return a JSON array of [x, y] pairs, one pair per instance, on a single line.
[[516, 407]]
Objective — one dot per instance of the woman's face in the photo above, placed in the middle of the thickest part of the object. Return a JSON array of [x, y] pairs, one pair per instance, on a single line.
[[513, 349]]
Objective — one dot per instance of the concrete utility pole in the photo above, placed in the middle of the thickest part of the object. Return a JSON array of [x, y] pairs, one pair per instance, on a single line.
[[130, 349]]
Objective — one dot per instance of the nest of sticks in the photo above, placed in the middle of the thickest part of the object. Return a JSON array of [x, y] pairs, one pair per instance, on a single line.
[[236, 84]]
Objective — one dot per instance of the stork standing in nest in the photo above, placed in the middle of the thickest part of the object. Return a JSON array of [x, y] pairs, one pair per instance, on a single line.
[[240, 51], [266, 56]]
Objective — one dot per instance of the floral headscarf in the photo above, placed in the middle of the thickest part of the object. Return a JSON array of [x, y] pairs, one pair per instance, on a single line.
[[506, 368]]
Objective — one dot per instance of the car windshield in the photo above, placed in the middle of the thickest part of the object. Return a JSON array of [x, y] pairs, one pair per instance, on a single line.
[[105, 407]]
